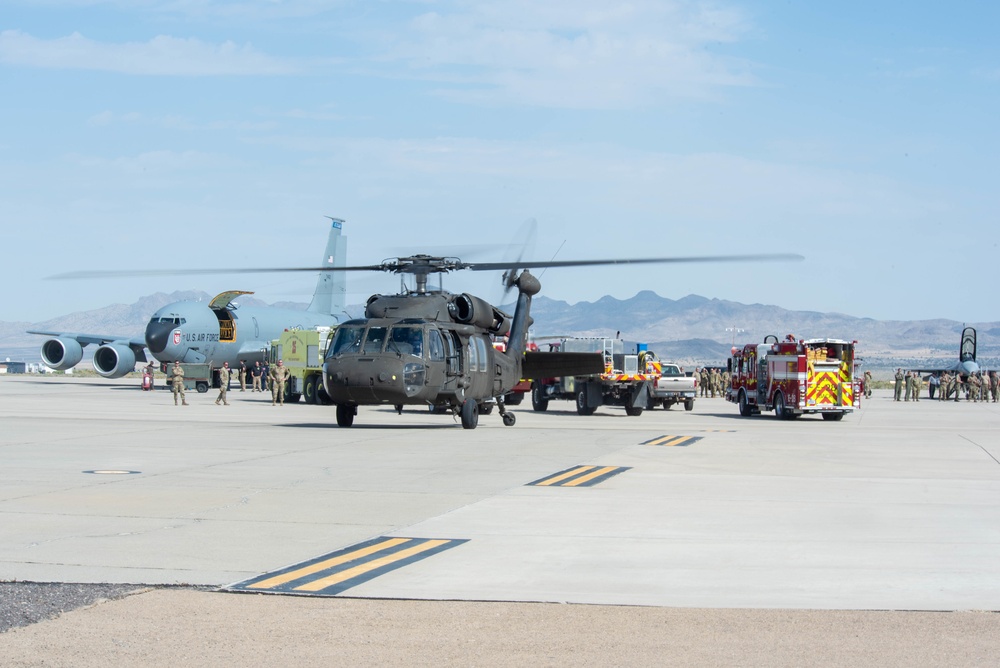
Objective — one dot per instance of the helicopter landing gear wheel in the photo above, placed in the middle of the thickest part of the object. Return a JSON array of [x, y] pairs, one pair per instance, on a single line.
[[509, 420], [345, 415], [470, 414]]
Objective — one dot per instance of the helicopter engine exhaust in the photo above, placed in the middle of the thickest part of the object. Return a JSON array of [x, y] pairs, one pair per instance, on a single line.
[[470, 310]]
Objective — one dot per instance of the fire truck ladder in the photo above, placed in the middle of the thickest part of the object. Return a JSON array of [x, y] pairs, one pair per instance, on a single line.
[[609, 356]]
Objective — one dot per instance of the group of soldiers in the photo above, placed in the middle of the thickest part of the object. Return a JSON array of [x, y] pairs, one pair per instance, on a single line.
[[712, 382], [276, 377], [980, 386]]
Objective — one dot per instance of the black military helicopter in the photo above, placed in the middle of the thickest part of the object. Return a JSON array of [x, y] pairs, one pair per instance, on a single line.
[[434, 348]]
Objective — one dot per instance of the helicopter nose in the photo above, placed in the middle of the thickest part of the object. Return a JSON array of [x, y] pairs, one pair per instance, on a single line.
[[157, 336]]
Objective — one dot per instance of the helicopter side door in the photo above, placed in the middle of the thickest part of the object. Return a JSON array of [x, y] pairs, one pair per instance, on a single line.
[[453, 361]]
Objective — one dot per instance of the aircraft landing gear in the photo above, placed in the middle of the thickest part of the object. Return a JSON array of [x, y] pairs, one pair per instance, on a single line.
[[508, 418]]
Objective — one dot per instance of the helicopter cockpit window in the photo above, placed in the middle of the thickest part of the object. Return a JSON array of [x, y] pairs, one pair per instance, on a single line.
[[436, 345], [347, 340], [374, 341], [406, 341], [481, 347]]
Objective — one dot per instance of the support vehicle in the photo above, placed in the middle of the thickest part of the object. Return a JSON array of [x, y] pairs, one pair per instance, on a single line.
[[302, 352], [795, 377], [627, 380], [673, 386]]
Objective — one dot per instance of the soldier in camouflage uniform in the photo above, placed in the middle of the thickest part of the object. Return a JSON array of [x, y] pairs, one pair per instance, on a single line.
[[945, 389], [278, 375], [868, 384], [909, 385], [918, 384], [994, 385], [224, 375], [177, 382], [898, 393]]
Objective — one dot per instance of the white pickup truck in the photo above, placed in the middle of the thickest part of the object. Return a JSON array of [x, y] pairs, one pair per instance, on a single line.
[[673, 387]]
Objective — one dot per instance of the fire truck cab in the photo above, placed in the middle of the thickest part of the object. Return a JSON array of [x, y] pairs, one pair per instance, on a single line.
[[795, 377]]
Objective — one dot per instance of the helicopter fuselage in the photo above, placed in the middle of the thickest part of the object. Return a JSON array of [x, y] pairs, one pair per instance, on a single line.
[[406, 361]]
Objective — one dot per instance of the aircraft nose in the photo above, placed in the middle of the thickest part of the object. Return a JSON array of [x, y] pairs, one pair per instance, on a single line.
[[157, 336]]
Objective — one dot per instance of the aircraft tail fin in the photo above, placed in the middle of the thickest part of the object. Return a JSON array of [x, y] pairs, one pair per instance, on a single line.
[[967, 349], [331, 286]]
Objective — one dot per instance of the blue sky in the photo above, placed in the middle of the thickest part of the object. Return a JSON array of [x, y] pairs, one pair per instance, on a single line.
[[202, 133]]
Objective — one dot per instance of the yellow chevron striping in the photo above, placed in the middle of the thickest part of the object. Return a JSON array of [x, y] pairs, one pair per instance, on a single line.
[[336, 578], [279, 580], [590, 476], [562, 476]]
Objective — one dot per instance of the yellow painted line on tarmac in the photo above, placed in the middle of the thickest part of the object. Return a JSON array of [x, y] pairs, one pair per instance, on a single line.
[[559, 477], [335, 572], [579, 476], [361, 569], [306, 571], [576, 482], [672, 440]]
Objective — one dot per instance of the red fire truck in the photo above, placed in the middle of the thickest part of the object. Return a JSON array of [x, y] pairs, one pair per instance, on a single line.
[[793, 377]]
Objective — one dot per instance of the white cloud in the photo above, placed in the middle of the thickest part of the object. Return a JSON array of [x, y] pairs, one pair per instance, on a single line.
[[163, 55], [572, 53]]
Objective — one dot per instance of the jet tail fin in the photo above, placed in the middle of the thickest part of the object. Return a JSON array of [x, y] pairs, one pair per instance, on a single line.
[[331, 286], [967, 349]]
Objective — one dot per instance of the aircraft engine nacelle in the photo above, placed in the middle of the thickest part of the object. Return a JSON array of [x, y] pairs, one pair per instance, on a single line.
[[61, 354], [114, 360], [470, 310]]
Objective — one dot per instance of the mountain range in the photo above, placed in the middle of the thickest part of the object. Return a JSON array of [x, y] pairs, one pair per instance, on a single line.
[[693, 330]]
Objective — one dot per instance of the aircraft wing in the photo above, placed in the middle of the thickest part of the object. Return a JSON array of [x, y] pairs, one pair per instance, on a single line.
[[98, 339], [251, 349], [549, 365]]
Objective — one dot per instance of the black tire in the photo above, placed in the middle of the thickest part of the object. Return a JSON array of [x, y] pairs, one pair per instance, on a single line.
[[514, 398], [668, 404], [470, 414], [746, 410], [486, 409], [309, 390], [538, 401], [833, 417], [202, 387], [509, 420], [689, 405], [581, 403], [780, 411], [345, 415], [633, 411]]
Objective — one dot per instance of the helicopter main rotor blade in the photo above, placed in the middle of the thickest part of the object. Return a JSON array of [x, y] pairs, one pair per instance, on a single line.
[[526, 264], [424, 264], [135, 273]]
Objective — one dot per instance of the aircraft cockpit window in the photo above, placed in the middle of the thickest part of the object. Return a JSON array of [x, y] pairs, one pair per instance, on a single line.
[[374, 341], [407, 341], [347, 340], [481, 346], [436, 345]]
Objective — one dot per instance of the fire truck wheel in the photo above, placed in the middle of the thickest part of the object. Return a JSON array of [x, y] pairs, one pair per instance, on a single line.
[[514, 398], [779, 407], [538, 402], [745, 408], [581, 404], [309, 392], [835, 417], [633, 411]]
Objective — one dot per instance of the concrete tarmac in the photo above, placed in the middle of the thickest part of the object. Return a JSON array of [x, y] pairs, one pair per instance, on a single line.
[[749, 542]]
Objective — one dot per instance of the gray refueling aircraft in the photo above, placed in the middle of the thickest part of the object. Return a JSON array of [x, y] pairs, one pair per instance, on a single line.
[[205, 332]]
